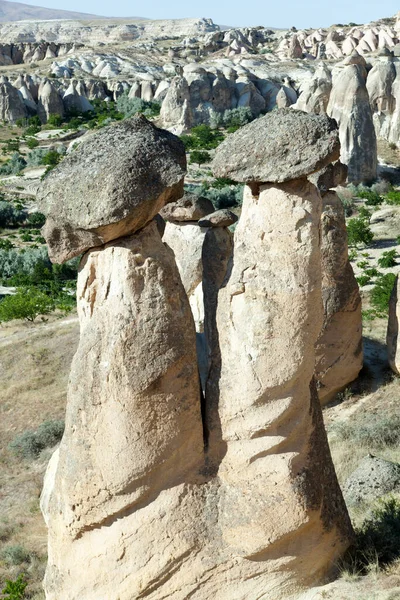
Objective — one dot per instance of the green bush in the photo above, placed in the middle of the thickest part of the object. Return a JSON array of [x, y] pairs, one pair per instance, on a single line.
[[131, 106], [32, 143], [388, 259], [55, 120], [362, 264], [14, 166], [51, 158], [36, 219], [15, 555], [372, 198], [363, 280], [30, 444], [199, 157], [393, 197], [15, 590], [233, 118], [372, 272], [359, 232], [27, 304], [380, 294], [6, 244], [10, 216], [202, 137], [26, 237], [378, 537]]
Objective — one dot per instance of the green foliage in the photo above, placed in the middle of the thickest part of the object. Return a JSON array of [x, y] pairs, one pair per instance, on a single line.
[[232, 119], [27, 303], [30, 444], [353, 254], [393, 197], [199, 157], [380, 295], [51, 158], [225, 197], [6, 244], [15, 590], [10, 216], [202, 137], [372, 198], [131, 106], [36, 219], [221, 182], [34, 158], [372, 272], [388, 259], [362, 264], [32, 143], [359, 232], [363, 280], [378, 537], [14, 166], [15, 555], [55, 120]]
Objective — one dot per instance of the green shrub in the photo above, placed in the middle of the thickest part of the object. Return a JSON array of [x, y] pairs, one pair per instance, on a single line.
[[380, 294], [6, 244], [51, 158], [27, 304], [233, 118], [32, 143], [359, 232], [131, 106], [36, 219], [30, 444], [15, 555], [372, 198], [26, 237], [10, 216], [55, 120], [199, 157], [388, 259], [15, 590], [363, 280], [202, 137], [378, 537], [362, 264], [372, 272], [393, 197], [14, 166]]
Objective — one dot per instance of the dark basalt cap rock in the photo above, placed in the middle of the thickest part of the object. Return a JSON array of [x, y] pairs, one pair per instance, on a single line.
[[219, 218], [329, 177], [111, 186], [285, 144], [188, 208]]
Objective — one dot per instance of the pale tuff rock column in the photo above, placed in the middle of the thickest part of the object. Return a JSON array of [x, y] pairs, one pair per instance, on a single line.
[[349, 105], [280, 503], [120, 501], [392, 336], [339, 355], [124, 495]]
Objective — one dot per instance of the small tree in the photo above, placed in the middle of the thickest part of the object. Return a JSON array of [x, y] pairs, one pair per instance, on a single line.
[[15, 590], [199, 157], [26, 304], [359, 232]]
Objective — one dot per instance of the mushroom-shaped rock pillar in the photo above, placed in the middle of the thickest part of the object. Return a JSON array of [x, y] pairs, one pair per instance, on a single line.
[[280, 499], [120, 496]]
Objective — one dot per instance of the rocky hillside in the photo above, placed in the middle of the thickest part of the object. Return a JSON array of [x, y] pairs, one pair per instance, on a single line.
[[16, 11]]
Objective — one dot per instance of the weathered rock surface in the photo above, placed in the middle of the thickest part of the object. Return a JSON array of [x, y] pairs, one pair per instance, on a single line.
[[112, 185], [339, 355], [285, 144], [279, 493], [49, 102], [349, 105], [188, 208], [133, 401], [186, 241], [219, 218], [392, 336], [373, 478]]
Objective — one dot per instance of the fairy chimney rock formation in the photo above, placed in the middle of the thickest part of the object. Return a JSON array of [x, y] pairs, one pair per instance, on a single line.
[[280, 495], [392, 336], [339, 356], [158, 492], [112, 185]]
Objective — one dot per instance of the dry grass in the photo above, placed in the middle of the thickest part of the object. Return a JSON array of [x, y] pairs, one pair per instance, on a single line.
[[35, 361]]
